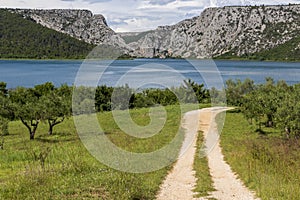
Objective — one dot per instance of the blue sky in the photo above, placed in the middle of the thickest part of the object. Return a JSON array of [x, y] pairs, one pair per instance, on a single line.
[[138, 15]]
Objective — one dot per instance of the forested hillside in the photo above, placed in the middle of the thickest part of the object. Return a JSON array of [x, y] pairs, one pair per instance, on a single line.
[[23, 38], [289, 51], [236, 32]]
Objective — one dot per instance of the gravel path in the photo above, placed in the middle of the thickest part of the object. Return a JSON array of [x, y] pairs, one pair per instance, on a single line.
[[180, 182], [226, 183]]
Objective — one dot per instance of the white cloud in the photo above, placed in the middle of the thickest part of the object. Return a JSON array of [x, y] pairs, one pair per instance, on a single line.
[[160, 2], [138, 15]]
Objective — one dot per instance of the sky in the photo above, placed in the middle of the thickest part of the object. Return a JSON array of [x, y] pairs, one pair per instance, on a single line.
[[138, 15]]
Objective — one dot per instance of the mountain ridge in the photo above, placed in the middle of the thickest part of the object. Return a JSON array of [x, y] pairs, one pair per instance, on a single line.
[[24, 39], [236, 30], [80, 24], [223, 32]]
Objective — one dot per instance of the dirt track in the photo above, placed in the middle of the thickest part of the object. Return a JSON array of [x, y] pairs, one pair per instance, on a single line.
[[181, 180]]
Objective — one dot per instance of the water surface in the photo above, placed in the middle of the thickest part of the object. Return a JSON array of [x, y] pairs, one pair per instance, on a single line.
[[155, 72]]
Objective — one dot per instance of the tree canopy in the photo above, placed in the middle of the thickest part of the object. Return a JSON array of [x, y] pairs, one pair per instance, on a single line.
[[270, 104], [23, 38]]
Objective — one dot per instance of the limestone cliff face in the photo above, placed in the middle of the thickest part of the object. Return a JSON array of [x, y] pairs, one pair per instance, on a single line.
[[217, 31], [80, 24], [228, 30]]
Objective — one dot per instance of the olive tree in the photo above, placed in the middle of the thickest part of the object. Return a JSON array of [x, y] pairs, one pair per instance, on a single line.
[[5, 109], [56, 106], [287, 115], [236, 90], [42, 103], [27, 108]]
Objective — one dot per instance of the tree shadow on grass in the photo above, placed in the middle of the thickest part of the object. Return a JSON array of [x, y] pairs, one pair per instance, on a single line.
[[57, 137], [235, 110], [54, 141], [261, 132], [108, 133], [63, 134]]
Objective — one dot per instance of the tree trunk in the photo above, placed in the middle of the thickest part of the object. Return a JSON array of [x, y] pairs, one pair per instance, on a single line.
[[2, 144], [32, 135], [270, 121], [52, 123], [287, 132], [50, 132], [30, 129]]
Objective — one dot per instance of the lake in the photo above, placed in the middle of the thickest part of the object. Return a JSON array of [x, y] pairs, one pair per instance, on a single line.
[[142, 72]]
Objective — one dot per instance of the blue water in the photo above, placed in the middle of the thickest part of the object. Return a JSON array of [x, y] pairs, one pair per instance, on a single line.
[[142, 72]]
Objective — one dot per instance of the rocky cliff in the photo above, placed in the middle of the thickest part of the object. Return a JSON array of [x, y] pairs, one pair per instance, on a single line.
[[80, 24], [233, 31]]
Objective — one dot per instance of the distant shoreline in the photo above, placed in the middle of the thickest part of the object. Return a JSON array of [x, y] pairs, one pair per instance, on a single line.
[[215, 59], [34, 59]]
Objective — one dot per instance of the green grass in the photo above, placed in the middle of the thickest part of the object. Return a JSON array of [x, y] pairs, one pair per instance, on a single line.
[[135, 37], [268, 164], [204, 183], [59, 166]]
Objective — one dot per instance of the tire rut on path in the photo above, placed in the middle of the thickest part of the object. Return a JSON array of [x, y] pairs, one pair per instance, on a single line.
[[225, 182], [181, 181]]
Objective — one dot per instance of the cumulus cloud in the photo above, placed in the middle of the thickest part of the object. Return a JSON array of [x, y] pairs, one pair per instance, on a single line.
[[89, 1], [161, 2], [190, 8], [139, 15], [96, 1]]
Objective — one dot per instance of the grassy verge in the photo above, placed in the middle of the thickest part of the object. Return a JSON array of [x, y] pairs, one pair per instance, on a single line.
[[59, 167], [204, 183], [268, 164]]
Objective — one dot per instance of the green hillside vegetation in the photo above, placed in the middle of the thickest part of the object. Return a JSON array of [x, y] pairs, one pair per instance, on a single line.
[[289, 51], [23, 38], [133, 38]]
